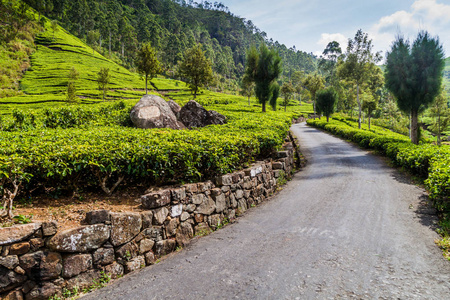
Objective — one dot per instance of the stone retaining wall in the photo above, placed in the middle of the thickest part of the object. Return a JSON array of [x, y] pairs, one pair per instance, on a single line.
[[38, 262]]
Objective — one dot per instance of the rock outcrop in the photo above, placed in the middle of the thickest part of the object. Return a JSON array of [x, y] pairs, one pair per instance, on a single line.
[[175, 108], [154, 112], [195, 115]]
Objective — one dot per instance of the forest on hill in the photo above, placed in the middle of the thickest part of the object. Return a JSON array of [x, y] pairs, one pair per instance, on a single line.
[[116, 29]]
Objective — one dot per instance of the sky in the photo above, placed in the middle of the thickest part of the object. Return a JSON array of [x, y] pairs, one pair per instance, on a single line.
[[310, 25]]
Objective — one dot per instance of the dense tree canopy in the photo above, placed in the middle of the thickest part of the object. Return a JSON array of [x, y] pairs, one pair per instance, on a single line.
[[172, 27], [263, 68], [441, 113], [195, 68], [313, 83], [287, 90], [326, 101], [147, 63], [103, 79], [357, 63], [414, 75], [328, 61], [247, 87]]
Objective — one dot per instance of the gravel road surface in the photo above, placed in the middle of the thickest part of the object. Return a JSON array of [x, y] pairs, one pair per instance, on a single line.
[[346, 227]]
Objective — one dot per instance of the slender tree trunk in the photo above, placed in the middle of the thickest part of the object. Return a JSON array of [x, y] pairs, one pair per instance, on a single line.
[[123, 49], [314, 106], [359, 105], [409, 131], [414, 127], [369, 121], [146, 79], [264, 107], [248, 100], [110, 44], [328, 119], [439, 130]]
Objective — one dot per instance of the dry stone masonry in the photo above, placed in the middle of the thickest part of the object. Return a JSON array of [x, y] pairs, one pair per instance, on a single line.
[[37, 261]]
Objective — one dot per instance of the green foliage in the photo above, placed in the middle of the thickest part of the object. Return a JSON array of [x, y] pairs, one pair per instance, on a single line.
[[17, 31], [92, 38], [369, 105], [414, 75], [71, 87], [70, 156], [263, 68], [247, 87], [287, 90], [50, 143], [446, 78], [46, 81], [99, 283], [282, 179], [15, 16], [21, 219], [172, 27], [326, 101], [314, 82], [327, 63], [147, 63], [358, 63], [13, 174], [103, 78], [71, 92], [441, 113], [275, 94], [196, 69]]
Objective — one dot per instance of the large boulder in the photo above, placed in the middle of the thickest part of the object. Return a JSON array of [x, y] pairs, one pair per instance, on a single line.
[[215, 118], [194, 115], [154, 112], [175, 107]]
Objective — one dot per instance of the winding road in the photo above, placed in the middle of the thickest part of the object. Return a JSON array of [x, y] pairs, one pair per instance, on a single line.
[[346, 227]]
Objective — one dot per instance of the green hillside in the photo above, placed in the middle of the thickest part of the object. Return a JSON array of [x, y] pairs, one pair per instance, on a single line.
[[171, 26], [45, 82]]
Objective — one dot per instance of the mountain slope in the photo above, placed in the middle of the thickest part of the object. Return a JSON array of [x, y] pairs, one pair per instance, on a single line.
[[172, 26], [57, 52]]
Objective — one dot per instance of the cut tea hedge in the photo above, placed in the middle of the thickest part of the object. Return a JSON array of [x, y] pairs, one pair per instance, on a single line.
[[63, 154]]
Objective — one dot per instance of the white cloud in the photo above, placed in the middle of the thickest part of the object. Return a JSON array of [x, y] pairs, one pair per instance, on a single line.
[[426, 15], [435, 12], [392, 23]]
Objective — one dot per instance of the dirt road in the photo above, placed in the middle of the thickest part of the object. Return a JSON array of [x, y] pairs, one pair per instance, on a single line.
[[346, 227]]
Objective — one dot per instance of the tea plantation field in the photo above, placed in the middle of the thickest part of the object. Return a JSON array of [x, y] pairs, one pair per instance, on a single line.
[[48, 144]]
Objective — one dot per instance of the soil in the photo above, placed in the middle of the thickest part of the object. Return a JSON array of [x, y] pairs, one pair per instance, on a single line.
[[69, 212]]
